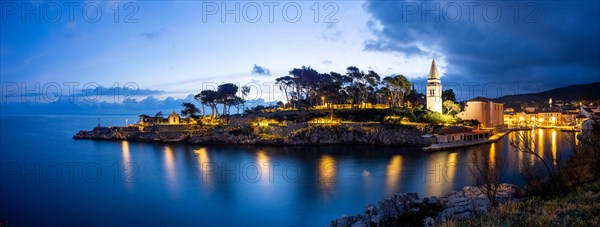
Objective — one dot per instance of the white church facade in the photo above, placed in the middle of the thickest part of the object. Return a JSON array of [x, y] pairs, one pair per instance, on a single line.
[[434, 89]]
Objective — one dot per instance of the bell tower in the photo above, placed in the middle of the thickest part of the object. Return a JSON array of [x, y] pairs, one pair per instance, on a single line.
[[434, 89]]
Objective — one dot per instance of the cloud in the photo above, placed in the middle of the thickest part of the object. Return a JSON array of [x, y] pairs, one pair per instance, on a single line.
[[332, 36], [71, 35], [548, 44], [327, 62], [259, 70], [124, 91], [153, 35]]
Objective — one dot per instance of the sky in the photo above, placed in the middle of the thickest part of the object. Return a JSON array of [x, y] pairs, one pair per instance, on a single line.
[[176, 48]]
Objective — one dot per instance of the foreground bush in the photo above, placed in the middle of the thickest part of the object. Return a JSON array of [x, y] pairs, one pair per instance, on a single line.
[[581, 207]]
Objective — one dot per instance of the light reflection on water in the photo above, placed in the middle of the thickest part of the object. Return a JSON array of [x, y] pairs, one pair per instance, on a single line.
[[452, 167], [205, 166], [426, 173], [332, 179], [170, 170], [264, 166], [393, 174], [127, 166], [327, 173]]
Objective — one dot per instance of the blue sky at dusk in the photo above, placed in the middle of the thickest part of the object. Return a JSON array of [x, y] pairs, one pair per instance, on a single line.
[[176, 48]]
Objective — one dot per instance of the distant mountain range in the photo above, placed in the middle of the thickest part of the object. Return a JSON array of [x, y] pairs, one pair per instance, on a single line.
[[590, 92]]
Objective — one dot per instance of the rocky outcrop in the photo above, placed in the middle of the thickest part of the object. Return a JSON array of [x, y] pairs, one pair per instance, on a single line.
[[408, 209], [101, 133], [271, 135]]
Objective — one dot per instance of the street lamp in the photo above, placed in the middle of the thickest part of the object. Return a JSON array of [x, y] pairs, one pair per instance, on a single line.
[[323, 100]]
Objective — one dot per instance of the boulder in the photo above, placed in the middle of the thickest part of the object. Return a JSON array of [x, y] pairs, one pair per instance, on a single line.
[[455, 205]]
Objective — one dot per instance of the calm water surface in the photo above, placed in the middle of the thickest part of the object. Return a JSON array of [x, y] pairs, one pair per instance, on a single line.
[[49, 179]]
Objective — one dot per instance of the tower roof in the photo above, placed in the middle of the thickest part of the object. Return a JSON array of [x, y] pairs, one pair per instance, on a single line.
[[433, 72]]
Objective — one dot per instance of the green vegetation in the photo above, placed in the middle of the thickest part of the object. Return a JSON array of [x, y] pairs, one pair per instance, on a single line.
[[450, 107], [561, 194], [189, 110], [385, 116], [581, 207], [355, 96], [449, 95]]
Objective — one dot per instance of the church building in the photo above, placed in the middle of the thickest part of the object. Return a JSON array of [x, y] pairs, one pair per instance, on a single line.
[[434, 89]]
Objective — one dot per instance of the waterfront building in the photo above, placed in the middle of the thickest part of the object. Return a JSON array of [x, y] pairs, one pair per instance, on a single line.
[[452, 134], [174, 118], [147, 120], [590, 111], [549, 118], [518, 118], [486, 111]]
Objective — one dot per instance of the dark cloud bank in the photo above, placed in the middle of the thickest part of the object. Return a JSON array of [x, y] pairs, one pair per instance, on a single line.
[[495, 48]]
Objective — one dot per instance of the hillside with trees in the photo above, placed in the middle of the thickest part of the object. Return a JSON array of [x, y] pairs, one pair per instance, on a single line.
[[578, 93]]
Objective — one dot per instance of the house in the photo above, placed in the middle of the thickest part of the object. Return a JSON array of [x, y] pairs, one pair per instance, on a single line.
[[589, 111], [450, 134], [549, 118], [457, 134], [147, 120], [512, 118], [486, 111], [174, 118], [569, 118]]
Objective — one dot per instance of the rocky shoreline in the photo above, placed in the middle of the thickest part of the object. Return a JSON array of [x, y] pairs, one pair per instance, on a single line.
[[371, 134], [408, 208]]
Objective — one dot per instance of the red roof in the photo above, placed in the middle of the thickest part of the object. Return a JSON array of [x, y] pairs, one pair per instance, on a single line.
[[452, 130]]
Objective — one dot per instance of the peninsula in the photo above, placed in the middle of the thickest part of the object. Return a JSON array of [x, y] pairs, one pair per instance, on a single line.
[[323, 108], [353, 108]]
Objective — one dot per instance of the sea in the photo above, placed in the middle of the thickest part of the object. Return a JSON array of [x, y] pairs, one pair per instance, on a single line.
[[49, 179]]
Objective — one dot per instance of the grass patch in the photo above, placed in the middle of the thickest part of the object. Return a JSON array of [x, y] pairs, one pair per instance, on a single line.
[[581, 207]]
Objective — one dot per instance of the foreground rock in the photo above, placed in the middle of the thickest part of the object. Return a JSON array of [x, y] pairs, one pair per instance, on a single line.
[[408, 209], [375, 134]]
